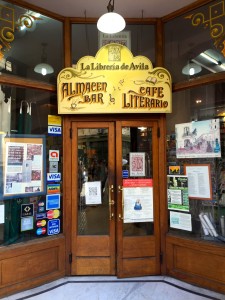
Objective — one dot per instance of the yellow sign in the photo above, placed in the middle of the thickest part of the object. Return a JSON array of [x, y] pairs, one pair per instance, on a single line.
[[114, 81], [54, 120]]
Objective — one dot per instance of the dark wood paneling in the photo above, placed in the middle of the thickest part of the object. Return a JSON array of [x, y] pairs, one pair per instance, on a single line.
[[97, 245], [138, 246], [139, 267], [197, 262], [67, 192], [13, 80], [93, 266], [24, 266], [29, 265], [203, 80]]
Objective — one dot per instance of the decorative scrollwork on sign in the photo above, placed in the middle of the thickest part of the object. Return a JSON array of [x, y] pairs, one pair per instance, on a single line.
[[27, 20], [7, 31], [214, 22], [8, 26]]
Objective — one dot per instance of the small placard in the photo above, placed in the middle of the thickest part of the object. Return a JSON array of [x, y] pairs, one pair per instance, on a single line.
[[53, 227], [53, 167], [52, 201], [53, 176], [27, 210], [53, 155], [27, 223]]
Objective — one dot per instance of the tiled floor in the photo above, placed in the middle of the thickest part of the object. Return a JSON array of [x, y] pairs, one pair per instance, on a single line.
[[111, 288]]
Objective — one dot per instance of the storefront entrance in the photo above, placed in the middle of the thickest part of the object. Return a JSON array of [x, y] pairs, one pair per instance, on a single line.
[[115, 198]]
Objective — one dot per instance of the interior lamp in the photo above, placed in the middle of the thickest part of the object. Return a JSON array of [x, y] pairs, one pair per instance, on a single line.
[[43, 68], [111, 22], [191, 69]]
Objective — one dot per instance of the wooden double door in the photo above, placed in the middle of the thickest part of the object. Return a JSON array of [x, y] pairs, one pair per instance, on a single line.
[[115, 198]]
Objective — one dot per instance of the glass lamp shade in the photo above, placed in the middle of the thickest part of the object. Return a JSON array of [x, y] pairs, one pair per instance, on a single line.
[[43, 69], [191, 69], [111, 22]]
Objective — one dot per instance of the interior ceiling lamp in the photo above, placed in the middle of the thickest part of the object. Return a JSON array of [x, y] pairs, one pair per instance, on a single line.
[[213, 60], [43, 68], [111, 22], [209, 58], [191, 69]]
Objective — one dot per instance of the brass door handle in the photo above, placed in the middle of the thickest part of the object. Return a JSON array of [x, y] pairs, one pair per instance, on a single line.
[[111, 202], [120, 217]]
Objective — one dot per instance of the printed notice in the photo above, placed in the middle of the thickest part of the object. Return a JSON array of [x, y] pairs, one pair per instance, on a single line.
[[93, 193], [199, 181], [177, 192], [180, 220], [138, 200]]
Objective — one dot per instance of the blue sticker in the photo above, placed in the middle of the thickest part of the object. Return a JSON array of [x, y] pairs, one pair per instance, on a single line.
[[53, 227], [54, 130], [53, 176], [52, 201], [125, 174], [41, 216]]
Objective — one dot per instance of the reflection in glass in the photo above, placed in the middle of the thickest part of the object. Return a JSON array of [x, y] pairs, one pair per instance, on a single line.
[[93, 219], [23, 34], [138, 140], [14, 119]]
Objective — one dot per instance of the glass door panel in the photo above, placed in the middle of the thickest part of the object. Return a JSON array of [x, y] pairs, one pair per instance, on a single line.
[[93, 209], [137, 140], [93, 189], [138, 234]]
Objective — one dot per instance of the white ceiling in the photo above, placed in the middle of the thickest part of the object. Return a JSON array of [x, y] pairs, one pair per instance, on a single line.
[[127, 8]]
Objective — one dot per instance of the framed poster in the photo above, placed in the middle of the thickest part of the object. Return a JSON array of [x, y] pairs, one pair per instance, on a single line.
[[199, 181], [23, 166]]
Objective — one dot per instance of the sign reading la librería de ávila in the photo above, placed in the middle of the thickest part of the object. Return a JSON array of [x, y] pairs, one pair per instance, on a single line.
[[114, 81]]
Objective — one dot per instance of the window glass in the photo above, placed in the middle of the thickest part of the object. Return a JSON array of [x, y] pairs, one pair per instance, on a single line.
[[141, 40], [202, 110], [28, 39], [194, 43], [25, 113]]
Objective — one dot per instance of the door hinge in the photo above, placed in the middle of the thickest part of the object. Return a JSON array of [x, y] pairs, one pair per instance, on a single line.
[[161, 258], [71, 133], [158, 132], [70, 258]]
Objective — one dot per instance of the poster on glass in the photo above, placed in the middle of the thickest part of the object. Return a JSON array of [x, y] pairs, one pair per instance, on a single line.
[[23, 166], [138, 200], [198, 139]]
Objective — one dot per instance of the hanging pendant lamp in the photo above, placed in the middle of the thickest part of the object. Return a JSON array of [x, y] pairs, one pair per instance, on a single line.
[[43, 68], [191, 69], [111, 22]]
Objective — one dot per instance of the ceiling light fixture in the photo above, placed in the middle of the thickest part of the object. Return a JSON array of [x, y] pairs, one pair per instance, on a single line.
[[191, 69], [210, 58], [43, 68], [111, 22]]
